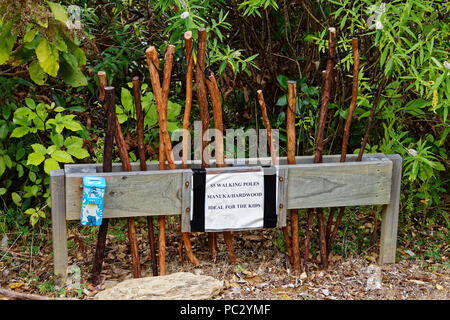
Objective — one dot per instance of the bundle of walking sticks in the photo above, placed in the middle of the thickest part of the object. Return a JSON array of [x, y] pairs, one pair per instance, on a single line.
[[205, 82]]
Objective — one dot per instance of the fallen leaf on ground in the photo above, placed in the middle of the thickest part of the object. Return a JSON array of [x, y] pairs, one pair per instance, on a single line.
[[16, 285]]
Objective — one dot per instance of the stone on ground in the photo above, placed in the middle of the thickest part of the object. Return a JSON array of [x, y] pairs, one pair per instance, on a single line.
[[175, 286]]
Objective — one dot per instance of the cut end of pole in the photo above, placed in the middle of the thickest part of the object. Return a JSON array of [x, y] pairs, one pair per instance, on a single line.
[[109, 88], [332, 30], [135, 78], [101, 74], [292, 82], [150, 50], [188, 35]]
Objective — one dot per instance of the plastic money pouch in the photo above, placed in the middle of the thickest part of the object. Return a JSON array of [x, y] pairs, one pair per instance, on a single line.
[[93, 198]]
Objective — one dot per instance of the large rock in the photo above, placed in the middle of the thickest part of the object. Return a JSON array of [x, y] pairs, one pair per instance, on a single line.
[[175, 286]]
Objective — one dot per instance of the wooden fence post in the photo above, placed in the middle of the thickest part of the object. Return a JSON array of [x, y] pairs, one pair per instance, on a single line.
[[389, 223], [59, 229]]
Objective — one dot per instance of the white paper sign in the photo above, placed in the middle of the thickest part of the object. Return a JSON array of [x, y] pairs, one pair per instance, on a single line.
[[234, 201]]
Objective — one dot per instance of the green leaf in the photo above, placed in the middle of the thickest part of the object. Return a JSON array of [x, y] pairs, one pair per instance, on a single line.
[[48, 57], [41, 111], [8, 161], [3, 131], [30, 103], [173, 110], [39, 148], [2, 191], [50, 164], [59, 109], [60, 44], [78, 152], [29, 35], [30, 211], [71, 73], [36, 73], [7, 40], [282, 101], [19, 169], [172, 126], [35, 158], [57, 139], [72, 125], [59, 12], [127, 100], [283, 80], [51, 149], [73, 141], [121, 117], [2, 166], [80, 56], [16, 198], [19, 132], [62, 156]]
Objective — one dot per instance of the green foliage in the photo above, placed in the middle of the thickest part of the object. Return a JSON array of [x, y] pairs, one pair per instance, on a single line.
[[43, 43], [126, 113], [38, 139], [193, 14]]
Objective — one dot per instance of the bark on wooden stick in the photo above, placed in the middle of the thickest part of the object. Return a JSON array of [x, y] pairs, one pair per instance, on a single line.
[[330, 236], [262, 104], [152, 62], [188, 101], [327, 78], [291, 142], [219, 152], [161, 99], [310, 212], [187, 112], [204, 115], [201, 93], [107, 167], [143, 165]]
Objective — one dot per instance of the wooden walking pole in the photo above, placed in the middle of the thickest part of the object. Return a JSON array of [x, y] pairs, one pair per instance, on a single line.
[[310, 211], [330, 236], [291, 142], [152, 62], [327, 78], [126, 166], [320, 134], [188, 101], [165, 144], [187, 112], [204, 115], [275, 163], [108, 96], [201, 93], [220, 157], [262, 104], [143, 164]]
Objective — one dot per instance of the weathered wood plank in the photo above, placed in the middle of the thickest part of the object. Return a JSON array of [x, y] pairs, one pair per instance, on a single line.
[[154, 165], [389, 223], [339, 184], [59, 229], [130, 194]]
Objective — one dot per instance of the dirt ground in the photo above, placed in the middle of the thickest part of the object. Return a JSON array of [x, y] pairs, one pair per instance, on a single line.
[[261, 271]]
